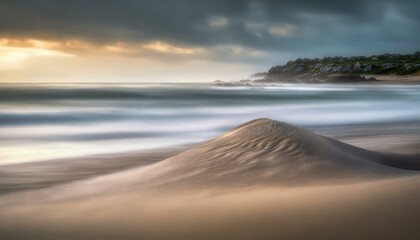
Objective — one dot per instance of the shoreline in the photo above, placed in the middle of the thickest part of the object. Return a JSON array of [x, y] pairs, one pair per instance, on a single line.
[[332, 79], [43, 174], [408, 79]]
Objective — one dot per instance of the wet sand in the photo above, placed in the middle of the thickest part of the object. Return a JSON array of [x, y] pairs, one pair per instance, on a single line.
[[43, 174]]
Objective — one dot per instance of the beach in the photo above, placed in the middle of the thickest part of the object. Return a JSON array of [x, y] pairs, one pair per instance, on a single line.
[[328, 188], [349, 171]]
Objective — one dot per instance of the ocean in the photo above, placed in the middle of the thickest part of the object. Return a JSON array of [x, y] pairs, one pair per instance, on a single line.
[[51, 121]]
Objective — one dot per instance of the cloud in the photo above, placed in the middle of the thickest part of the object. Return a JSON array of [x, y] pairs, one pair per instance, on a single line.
[[15, 52], [262, 33], [166, 48], [281, 30], [218, 22]]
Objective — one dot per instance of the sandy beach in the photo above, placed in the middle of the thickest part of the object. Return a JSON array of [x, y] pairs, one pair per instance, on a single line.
[[271, 178], [395, 79]]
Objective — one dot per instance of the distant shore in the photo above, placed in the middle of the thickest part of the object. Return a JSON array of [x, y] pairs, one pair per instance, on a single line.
[[385, 68], [325, 79], [395, 79]]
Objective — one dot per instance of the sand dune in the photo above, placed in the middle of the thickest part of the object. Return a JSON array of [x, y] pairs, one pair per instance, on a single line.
[[267, 151], [262, 180], [262, 152]]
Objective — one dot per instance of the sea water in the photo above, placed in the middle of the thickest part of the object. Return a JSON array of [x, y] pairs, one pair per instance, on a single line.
[[49, 121]]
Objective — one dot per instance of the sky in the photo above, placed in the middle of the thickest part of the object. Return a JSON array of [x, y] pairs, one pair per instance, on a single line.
[[191, 40]]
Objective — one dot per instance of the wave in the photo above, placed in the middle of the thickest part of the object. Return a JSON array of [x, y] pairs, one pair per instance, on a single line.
[[85, 113]]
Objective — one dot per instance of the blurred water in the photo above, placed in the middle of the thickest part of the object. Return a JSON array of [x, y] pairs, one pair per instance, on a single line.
[[47, 121]]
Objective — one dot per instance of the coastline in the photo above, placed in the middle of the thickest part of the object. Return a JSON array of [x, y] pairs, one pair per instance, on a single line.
[[338, 79], [396, 79]]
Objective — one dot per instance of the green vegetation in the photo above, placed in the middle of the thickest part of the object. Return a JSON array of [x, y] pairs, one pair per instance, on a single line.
[[385, 64]]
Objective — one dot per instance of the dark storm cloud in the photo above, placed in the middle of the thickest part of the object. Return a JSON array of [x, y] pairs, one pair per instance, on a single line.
[[299, 26]]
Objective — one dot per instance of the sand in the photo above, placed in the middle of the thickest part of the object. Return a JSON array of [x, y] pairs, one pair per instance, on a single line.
[[43, 174], [370, 210], [397, 79], [262, 180]]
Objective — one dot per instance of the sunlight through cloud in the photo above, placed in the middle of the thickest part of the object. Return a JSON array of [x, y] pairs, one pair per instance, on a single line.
[[14, 52], [166, 48]]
